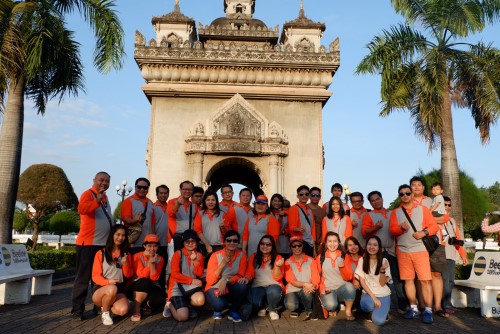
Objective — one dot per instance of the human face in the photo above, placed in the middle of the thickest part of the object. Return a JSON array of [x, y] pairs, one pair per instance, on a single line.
[[337, 192], [352, 248], [151, 249], [296, 248], [265, 246], [335, 206], [315, 196], [119, 237], [417, 188], [232, 242], [196, 198], [101, 182], [227, 194], [405, 199], [186, 190], [376, 202], [447, 206], [303, 196], [190, 245], [357, 202], [245, 198], [437, 190], [372, 246], [210, 202], [332, 243], [276, 203], [260, 208], [141, 189], [162, 195]]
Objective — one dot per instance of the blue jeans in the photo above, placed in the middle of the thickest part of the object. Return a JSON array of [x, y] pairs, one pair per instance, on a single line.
[[379, 314], [397, 287], [448, 283], [259, 295], [294, 299], [345, 292], [236, 296]]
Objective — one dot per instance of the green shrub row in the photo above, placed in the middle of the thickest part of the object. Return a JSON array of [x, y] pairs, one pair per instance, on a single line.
[[52, 259]]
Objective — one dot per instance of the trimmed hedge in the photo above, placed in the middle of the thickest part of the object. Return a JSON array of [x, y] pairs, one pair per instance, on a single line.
[[52, 259]]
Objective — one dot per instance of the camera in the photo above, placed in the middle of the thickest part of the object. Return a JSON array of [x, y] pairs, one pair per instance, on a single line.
[[455, 241]]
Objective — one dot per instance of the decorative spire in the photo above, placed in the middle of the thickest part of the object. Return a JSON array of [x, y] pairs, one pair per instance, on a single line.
[[176, 7], [301, 11]]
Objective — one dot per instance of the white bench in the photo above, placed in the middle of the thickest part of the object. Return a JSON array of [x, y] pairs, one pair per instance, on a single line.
[[482, 287], [18, 281]]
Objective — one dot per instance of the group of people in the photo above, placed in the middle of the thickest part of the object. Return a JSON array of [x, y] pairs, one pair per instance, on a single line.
[[194, 249]]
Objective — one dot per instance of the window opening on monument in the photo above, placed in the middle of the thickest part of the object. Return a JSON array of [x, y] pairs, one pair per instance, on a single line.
[[239, 8]]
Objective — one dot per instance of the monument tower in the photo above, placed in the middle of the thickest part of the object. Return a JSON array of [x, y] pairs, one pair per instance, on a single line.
[[234, 101]]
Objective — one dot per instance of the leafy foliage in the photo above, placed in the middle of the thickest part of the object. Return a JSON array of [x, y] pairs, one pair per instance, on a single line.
[[117, 214], [21, 221], [52, 259], [493, 193], [64, 222]]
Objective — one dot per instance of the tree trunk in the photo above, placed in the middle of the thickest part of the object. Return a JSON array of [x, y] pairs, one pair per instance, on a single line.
[[11, 142], [449, 164]]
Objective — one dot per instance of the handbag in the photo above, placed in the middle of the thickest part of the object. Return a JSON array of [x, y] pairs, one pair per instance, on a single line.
[[187, 290], [431, 242], [135, 231]]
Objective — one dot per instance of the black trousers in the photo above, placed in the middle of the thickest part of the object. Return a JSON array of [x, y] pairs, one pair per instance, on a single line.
[[84, 261], [156, 295]]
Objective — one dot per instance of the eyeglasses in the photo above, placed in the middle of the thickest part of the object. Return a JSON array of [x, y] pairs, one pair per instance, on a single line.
[[303, 194], [315, 195], [234, 241], [296, 246], [190, 241], [448, 205], [142, 187], [267, 244], [408, 193]]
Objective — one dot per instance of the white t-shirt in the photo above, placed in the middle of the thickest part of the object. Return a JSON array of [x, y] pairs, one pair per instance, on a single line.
[[439, 199], [372, 280]]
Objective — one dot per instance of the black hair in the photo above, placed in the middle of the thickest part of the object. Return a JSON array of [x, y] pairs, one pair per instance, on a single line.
[[226, 185], [356, 194], [417, 178], [330, 211], [230, 233], [258, 255], [315, 188], [403, 186], [160, 187], [375, 192], [210, 193], [278, 196], [101, 172], [142, 179], [186, 181], [366, 256], [356, 241], [436, 184], [108, 249], [198, 190], [336, 186], [245, 189], [446, 199], [302, 187]]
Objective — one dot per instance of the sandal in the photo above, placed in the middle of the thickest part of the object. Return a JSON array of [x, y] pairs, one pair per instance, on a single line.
[[442, 313], [350, 318], [135, 317]]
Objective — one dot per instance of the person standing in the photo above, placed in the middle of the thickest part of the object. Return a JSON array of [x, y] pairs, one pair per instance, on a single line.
[[356, 213], [336, 221], [243, 209], [227, 206], [197, 196], [301, 221], [181, 214], [318, 212], [95, 226], [161, 226]]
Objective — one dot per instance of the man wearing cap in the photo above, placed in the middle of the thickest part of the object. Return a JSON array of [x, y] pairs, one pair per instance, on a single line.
[[260, 223], [96, 222], [301, 221], [147, 267]]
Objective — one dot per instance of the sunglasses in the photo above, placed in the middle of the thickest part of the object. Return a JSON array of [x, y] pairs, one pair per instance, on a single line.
[[117, 262], [234, 241], [267, 244], [296, 246], [449, 205], [142, 187], [303, 194], [408, 193], [315, 195]]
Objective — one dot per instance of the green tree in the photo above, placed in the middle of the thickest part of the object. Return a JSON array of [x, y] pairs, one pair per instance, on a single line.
[[21, 221], [47, 189], [64, 222], [493, 193], [426, 73], [40, 60], [117, 214]]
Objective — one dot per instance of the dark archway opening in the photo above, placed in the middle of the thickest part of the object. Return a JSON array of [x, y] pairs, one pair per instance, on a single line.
[[235, 171]]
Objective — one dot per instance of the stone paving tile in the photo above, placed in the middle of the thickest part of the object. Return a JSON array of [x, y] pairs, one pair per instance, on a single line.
[[50, 315]]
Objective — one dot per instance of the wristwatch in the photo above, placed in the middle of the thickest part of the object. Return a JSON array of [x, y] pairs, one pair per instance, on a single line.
[[426, 232]]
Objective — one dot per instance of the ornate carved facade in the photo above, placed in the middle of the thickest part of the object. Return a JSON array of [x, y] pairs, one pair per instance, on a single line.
[[235, 98]]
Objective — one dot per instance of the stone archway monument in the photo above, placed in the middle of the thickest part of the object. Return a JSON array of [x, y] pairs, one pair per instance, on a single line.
[[234, 101]]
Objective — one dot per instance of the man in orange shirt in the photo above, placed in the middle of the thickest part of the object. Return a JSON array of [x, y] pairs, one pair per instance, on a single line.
[[95, 225], [161, 226], [301, 221], [242, 210], [227, 205], [356, 213]]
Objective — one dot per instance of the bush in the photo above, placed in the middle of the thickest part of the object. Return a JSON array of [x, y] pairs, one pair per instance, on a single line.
[[52, 259], [21, 221], [64, 222]]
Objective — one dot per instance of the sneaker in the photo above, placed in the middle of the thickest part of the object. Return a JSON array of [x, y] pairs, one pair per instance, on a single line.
[[106, 319], [403, 310], [217, 315], [262, 313], [294, 314], [412, 314], [234, 316], [274, 315], [192, 313], [310, 316], [427, 317], [166, 312]]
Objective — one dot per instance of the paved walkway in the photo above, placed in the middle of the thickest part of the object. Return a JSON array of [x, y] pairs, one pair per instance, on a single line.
[[50, 314]]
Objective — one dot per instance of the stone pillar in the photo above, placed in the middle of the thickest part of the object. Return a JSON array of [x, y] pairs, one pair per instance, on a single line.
[[273, 174], [197, 165]]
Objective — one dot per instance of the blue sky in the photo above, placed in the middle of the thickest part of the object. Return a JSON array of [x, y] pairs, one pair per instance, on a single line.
[[106, 127]]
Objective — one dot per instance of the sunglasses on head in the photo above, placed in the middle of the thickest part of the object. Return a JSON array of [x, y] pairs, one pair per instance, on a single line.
[[296, 246], [408, 193], [234, 241], [315, 195], [267, 244], [303, 194], [142, 187]]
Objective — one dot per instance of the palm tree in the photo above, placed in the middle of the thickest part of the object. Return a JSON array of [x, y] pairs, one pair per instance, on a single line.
[[428, 73], [40, 60]]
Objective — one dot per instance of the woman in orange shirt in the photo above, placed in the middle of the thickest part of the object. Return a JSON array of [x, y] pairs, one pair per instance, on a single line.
[[354, 252], [112, 265], [336, 221]]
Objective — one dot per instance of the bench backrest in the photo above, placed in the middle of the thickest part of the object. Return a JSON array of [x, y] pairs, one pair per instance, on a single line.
[[14, 260], [486, 268]]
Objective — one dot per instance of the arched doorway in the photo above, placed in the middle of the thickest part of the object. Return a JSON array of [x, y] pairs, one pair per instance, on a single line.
[[235, 170]]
